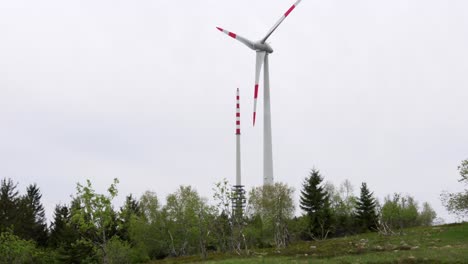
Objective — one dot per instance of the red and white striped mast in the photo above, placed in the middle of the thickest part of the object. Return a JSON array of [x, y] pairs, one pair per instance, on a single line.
[[238, 192], [238, 147]]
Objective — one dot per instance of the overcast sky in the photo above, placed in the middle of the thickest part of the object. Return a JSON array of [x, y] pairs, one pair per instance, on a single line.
[[367, 90]]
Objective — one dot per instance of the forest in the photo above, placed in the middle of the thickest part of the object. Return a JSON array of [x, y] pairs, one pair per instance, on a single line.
[[91, 229]]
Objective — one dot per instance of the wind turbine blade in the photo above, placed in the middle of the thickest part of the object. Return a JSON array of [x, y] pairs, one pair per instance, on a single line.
[[280, 21], [258, 67], [247, 42]]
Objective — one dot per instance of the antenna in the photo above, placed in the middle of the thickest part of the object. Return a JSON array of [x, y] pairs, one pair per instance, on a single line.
[[238, 192]]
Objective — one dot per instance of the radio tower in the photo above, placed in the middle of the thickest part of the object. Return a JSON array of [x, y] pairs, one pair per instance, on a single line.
[[238, 192]]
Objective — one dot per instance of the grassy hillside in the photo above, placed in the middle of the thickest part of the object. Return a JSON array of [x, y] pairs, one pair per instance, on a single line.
[[441, 244]]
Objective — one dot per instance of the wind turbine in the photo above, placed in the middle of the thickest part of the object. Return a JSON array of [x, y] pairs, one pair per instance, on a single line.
[[263, 49]]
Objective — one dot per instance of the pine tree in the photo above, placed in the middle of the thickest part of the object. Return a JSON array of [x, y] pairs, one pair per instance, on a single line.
[[366, 215], [32, 221], [130, 210], [8, 204], [60, 230], [315, 202], [65, 237]]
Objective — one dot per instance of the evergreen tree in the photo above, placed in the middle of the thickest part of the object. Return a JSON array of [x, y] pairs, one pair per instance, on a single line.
[[61, 233], [64, 236], [315, 202], [366, 215], [127, 212], [8, 204], [32, 221]]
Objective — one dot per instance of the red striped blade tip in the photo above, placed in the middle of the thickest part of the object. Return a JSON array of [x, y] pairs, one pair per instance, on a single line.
[[289, 10]]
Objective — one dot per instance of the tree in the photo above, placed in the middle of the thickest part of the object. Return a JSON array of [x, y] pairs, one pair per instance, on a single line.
[[400, 212], [130, 209], [16, 250], [347, 193], [342, 204], [274, 204], [32, 224], [64, 236], [346, 210], [188, 220], [457, 203], [228, 232], [13, 249], [59, 226], [8, 205], [315, 202], [366, 214], [463, 170], [94, 215], [427, 215], [148, 230]]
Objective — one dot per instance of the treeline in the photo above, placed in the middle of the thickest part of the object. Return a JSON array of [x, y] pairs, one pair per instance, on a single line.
[[90, 230]]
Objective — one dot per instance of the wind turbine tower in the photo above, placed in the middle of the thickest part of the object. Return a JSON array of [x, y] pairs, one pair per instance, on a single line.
[[263, 49]]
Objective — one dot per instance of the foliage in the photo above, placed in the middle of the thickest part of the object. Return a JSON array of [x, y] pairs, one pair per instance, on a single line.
[[89, 230], [130, 210], [403, 211], [9, 201], [32, 222], [463, 170], [366, 215], [65, 237], [188, 220], [296, 227], [94, 215], [147, 230], [227, 236], [24, 215], [457, 203], [60, 231], [442, 244], [342, 207], [222, 197], [82, 250], [274, 204], [427, 215], [118, 251], [315, 201], [16, 250]]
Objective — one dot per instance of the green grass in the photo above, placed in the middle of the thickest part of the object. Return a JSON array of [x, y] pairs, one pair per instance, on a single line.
[[441, 244]]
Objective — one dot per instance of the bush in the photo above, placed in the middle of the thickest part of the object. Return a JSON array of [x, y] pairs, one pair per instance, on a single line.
[[120, 252], [16, 250]]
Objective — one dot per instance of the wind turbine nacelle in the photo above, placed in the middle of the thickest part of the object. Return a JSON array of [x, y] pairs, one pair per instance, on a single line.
[[258, 46]]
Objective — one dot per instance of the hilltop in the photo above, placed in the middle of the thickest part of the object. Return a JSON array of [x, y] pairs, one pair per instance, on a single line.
[[436, 244]]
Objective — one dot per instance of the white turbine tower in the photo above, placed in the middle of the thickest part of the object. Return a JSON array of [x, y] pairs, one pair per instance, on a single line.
[[263, 49]]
